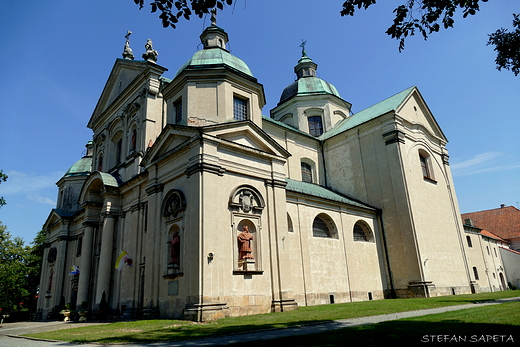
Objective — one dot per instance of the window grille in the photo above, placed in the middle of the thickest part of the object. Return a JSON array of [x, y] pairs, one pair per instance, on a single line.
[[315, 126], [306, 173], [178, 111], [359, 234], [239, 109], [320, 228]]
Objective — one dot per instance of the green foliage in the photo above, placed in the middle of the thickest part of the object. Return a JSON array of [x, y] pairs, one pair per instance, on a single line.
[[19, 271], [507, 46], [171, 11], [414, 16], [429, 16], [3, 178], [13, 277]]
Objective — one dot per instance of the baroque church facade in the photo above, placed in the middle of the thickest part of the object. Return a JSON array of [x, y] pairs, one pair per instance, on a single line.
[[337, 207]]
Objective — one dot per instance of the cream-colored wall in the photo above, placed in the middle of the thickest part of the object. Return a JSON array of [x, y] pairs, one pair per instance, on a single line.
[[511, 262], [321, 267]]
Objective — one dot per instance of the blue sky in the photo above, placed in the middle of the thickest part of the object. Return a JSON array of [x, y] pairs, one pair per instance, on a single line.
[[56, 57]]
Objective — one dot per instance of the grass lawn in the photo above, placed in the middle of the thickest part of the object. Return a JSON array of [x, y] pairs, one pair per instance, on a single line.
[[489, 324], [174, 330]]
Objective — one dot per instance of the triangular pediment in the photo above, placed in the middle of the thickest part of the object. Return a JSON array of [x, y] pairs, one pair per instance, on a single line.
[[247, 135], [124, 74], [55, 217], [171, 139], [415, 110]]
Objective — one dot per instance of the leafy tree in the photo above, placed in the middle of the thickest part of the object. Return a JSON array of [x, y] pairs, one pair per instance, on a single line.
[[171, 11], [429, 16], [20, 268], [507, 46], [3, 178], [13, 276], [414, 16]]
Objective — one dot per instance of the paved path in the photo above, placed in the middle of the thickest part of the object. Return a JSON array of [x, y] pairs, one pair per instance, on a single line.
[[9, 332]]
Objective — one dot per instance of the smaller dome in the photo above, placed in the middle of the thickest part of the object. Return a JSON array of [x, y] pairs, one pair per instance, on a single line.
[[307, 86], [82, 167], [215, 57]]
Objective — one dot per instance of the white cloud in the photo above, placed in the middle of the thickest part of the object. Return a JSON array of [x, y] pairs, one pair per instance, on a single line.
[[42, 200], [18, 182], [483, 162]]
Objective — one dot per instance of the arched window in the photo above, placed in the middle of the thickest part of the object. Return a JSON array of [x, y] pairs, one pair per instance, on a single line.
[[289, 224], [323, 227], [426, 168], [306, 172], [100, 162], [362, 232]]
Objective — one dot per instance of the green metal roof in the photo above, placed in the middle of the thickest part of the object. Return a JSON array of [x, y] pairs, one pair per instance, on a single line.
[[82, 167], [215, 57], [374, 111], [307, 86], [322, 192]]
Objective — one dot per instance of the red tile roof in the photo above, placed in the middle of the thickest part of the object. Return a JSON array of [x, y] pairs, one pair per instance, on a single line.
[[493, 236], [503, 222]]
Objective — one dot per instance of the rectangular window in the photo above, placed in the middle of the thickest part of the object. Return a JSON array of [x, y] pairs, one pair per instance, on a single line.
[[424, 166], [79, 245], [315, 125], [306, 173], [119, 147], [469, 241], [239, 108], [475, 272], [177, 106]]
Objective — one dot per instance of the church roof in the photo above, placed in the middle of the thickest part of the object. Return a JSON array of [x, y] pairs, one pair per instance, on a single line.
[[82, 167], [322, 192], [215, 57], [503, 222], [390, 104], [307, 86]]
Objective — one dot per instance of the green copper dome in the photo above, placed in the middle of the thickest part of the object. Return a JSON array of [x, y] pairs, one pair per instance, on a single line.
[[215, 57], [307, 86], [307, 82], [81, 168]]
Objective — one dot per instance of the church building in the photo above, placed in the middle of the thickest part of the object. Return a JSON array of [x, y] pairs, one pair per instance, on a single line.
[[191, 202]]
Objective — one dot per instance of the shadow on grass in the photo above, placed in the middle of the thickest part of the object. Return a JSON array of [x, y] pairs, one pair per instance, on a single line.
[[191, 332], [403, 332]]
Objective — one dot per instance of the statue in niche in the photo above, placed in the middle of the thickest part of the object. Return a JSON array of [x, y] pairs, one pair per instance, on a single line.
[[244, 244], [150, 54], [246, 200], [175, 249]]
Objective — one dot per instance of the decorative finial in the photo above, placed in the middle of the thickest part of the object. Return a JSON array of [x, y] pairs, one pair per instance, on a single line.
[[304, 54], [150, 54], [213, 17], [127, 53]]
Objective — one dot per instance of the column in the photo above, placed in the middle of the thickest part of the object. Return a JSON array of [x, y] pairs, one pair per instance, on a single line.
[[105, 257], [86, 262]]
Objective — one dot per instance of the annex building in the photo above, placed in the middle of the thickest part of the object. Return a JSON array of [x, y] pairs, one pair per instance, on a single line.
[[338, 207]]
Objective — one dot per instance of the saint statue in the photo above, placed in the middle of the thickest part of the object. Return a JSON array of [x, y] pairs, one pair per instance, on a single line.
[[150, 54], [175, 249], [244, 244]]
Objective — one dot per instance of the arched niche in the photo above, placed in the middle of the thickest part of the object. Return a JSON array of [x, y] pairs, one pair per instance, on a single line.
[[246, 199], [174, 204], [246, 205]]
